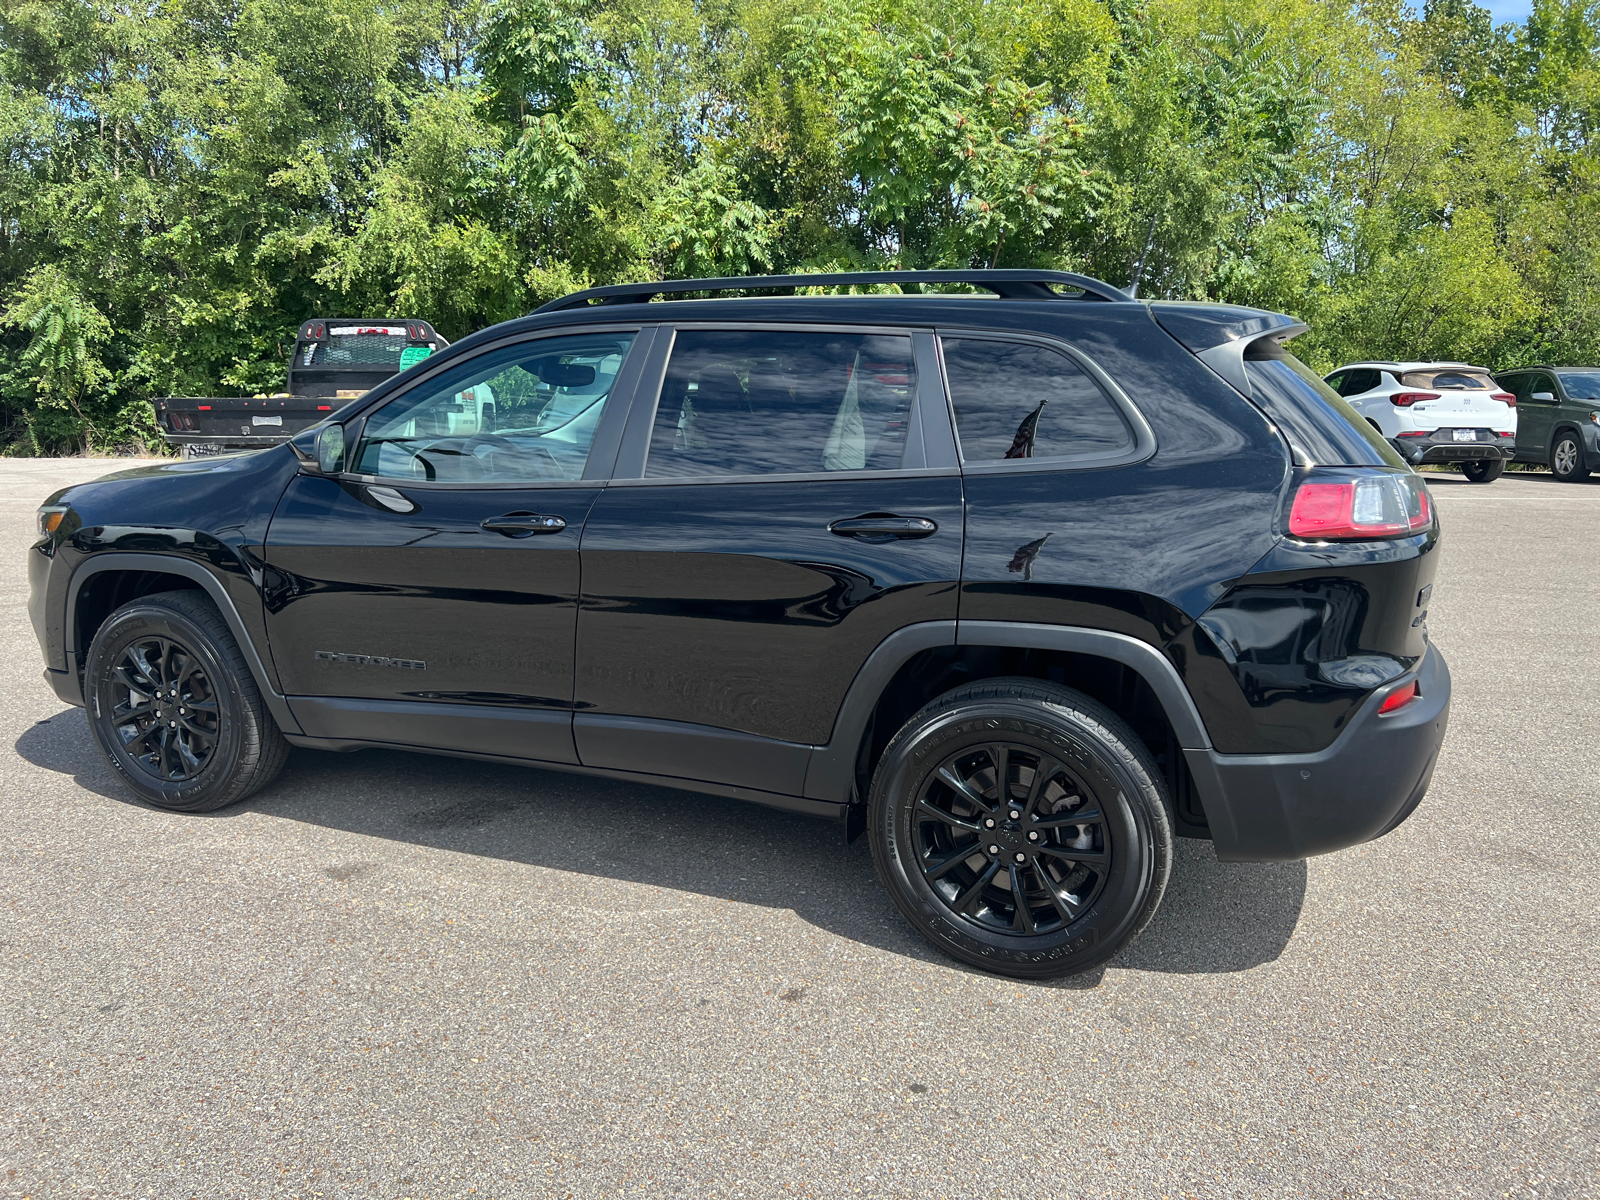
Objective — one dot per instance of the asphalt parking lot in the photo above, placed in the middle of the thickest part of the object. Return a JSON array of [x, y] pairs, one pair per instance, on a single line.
[[405, 976]]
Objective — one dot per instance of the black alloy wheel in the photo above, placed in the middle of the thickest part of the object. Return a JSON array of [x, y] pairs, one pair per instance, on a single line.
[[164, 709], [1566, 458], [1021, 827], [174, 708], [1484, 470], [1027, 855]]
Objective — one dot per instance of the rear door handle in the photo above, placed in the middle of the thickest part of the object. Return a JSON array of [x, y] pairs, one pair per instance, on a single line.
[[883, 527], [524, 524]]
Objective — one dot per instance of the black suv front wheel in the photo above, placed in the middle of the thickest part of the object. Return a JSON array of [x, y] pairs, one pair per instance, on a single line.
[[1021, 827], [1566, 458], [175, 709]]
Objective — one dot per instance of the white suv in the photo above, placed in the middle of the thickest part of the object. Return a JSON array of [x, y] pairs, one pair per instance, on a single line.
[[1436, 412]]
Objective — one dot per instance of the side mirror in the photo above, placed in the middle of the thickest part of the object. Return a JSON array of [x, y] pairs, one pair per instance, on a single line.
[[330, 450], [1547, 397]]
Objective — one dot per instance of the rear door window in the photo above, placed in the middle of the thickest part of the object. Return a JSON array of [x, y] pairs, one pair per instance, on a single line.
[[782, 402], [1319, 424], [1020, 400]]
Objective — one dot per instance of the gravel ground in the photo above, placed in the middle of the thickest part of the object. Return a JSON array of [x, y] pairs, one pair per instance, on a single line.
[[398, 975]]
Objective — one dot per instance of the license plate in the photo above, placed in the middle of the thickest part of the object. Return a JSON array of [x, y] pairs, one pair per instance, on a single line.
[[279, 421], [1461, 435], [203, 450]]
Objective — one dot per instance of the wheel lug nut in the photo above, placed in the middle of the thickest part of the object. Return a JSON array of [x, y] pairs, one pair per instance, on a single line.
[[994, 849], [1015, 815], [1033, 835], [989, 824], [1021, 857]]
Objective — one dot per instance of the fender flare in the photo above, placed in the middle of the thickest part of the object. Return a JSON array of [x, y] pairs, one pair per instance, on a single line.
[[831, 772], [166, 564]]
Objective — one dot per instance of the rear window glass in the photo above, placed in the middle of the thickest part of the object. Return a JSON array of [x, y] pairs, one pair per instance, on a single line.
[[1449, 380], [1319, 424], [362, 346]]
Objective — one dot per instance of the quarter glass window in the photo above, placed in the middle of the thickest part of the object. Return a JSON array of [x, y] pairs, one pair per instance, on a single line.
[[1358, 382], [1015, 400], [765, 402], [519, 414]]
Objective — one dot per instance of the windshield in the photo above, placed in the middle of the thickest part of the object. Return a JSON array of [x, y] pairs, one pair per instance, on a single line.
[[1581, 385], [1453, 379], [1319, 424]]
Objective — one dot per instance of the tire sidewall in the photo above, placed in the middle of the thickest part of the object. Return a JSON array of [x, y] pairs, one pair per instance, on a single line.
[[1120, 907], [155, 620]]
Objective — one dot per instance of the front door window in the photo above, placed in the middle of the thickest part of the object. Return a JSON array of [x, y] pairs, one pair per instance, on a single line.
[[522, 414]]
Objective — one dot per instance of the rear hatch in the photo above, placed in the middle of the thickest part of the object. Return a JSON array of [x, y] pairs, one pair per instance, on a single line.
[[1462, 398]]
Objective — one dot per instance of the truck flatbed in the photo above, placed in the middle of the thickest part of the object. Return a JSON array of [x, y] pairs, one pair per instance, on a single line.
[[335, 360]]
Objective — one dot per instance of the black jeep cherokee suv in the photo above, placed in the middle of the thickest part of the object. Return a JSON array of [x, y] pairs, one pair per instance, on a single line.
[[1023, 585]]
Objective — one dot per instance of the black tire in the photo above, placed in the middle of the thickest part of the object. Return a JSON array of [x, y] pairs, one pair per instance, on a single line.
[[149, 658], [1073, 913], [1566, 457], [1484, 470]]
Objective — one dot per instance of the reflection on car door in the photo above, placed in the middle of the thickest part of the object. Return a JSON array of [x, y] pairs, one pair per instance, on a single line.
[[429, 596], [789, 508]]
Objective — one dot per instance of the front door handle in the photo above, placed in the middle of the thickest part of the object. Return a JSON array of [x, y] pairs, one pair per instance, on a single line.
[[883, 527], [525, 524]]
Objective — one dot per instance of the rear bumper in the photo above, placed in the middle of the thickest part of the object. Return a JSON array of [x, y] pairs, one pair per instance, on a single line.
[[1279, 807], [253, 440], [1417, 451]]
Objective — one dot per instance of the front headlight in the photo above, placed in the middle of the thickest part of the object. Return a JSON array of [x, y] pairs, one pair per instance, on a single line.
[[50, 518]]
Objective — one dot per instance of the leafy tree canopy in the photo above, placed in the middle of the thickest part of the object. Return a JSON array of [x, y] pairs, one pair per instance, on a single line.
[[184, 181]]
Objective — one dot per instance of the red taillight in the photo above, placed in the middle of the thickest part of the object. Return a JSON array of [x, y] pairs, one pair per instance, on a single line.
[[1399, 698], [203, 407], [1505, 398], [1505, 433], [1407, 399], [1373, 506], [324, 408], [1413, 433]]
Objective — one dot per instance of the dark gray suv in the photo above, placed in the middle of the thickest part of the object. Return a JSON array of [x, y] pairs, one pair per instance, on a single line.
[[1558, 418]]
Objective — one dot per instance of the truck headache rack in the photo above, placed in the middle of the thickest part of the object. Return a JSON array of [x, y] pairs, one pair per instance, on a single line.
[[1008, 285]]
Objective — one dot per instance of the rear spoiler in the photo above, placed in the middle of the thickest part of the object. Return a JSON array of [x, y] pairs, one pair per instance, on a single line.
[[1219, 334]]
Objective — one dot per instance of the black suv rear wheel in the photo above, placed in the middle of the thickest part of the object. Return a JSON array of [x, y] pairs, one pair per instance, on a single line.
[[175, 709], [1021, 827], [1484, 470]]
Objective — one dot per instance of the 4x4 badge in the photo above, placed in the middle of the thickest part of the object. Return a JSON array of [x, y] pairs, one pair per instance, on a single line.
[[371, 660]]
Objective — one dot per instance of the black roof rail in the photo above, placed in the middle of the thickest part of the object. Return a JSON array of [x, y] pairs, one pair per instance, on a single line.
[[1008, 285]]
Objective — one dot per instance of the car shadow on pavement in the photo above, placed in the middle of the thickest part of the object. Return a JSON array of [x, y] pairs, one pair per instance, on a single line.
[[1216, 917]]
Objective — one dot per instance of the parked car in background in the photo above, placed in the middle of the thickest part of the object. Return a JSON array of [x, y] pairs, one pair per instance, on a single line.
[[1435, 412], [335, 360], [1021, 586], [1559, 422]]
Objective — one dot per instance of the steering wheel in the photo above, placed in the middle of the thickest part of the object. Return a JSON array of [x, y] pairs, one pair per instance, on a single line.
[[493, 440], [548, 465]]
